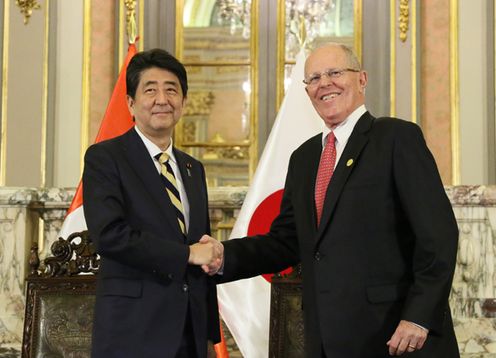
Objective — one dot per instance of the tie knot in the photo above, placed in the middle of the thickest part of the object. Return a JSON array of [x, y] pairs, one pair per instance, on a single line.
[[331, 138], [162, 158]]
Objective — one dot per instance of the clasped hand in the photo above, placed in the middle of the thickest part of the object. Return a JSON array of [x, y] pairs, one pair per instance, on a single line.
[[207, 253]]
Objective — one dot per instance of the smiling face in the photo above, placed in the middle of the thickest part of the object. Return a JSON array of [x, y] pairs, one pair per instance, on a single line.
[[157, 104], [334, 98]]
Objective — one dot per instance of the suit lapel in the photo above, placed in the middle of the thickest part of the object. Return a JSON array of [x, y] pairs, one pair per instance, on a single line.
[[140, 161], [356, 143]]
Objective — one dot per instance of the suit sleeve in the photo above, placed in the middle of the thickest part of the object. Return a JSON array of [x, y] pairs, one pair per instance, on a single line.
[[213, 332], [433, 223], [269, 253], [105, 209]]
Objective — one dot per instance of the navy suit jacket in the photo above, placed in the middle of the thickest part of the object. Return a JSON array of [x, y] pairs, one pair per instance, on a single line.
[[145, 286], [385, 250]]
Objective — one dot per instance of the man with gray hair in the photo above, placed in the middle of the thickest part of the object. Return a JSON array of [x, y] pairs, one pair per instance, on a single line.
[[365, 212]]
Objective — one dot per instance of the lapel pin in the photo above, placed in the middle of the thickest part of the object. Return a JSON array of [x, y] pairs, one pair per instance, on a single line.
[[188, 167], [349, 162]]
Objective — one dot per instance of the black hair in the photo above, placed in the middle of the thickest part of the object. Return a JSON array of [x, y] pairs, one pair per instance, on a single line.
[[154, 58]]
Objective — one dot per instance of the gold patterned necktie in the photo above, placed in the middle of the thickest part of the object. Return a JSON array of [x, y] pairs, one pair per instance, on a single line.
[[172, 189]]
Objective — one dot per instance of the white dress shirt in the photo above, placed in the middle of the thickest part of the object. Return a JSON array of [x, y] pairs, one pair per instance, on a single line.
[[342, 131]]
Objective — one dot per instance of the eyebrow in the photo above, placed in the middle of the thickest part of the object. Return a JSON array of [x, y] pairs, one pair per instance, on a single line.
[[327, 69], [151, 82]]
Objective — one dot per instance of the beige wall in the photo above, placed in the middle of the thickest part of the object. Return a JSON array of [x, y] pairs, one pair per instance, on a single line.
[[68, 93], [24, 100], [475, 91]]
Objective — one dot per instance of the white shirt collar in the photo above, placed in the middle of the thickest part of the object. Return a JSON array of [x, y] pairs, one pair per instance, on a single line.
[[153, 149], [343, 130]]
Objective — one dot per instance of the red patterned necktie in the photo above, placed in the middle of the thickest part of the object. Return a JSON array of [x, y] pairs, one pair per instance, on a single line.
[[326, 168]]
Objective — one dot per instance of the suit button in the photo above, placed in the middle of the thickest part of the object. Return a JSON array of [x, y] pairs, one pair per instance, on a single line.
[[170, 276], [317, 256], [185, 287]]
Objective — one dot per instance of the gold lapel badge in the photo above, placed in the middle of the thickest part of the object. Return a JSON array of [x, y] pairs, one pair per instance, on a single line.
[[349, 162]]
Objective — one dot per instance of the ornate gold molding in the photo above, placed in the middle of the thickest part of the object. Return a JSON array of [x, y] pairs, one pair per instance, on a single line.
[[199, 103], [131, 20], [27, 7], [404, 19]]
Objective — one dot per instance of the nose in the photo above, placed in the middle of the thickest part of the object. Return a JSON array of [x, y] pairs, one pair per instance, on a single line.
[[161, 97], [325, 79]]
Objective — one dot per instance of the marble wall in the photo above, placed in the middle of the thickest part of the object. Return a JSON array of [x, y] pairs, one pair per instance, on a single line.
[[473, 296], [28, 215]]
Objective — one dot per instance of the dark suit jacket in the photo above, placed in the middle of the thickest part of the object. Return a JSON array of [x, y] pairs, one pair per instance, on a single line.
[[145, 286], [385, 250]]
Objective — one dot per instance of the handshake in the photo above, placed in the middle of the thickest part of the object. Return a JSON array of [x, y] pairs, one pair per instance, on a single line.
[[207, 253]]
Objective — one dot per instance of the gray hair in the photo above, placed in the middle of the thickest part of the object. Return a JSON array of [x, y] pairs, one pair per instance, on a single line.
[[352, 58]]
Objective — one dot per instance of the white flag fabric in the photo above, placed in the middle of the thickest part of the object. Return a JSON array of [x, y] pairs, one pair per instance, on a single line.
[[245, 304]]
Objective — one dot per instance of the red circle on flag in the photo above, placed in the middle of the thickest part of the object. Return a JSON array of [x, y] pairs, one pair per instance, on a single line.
[[262, 218]]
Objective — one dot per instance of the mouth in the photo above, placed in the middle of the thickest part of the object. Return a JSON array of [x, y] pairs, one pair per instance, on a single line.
[[161, 112], [329, 96]]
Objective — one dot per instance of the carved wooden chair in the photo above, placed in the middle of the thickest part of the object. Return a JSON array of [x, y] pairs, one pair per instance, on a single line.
[[286, 316], [60, 298]]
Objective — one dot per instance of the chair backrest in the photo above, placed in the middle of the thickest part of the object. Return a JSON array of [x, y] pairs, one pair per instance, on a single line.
[[60, 299], [286, 316]]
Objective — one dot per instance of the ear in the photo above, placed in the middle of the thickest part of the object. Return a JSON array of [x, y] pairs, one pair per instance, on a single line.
[[130, 104], [363, 80]]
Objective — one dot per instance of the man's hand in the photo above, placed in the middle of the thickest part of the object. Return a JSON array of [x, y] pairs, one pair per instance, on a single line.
[[408, 337], [213, 267], [207, 253]]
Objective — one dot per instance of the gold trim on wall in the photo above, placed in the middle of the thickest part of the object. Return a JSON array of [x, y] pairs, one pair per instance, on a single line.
[[179, 43], [281, 52], [357, 28], [5, 74], [120, 36], [254, 31], [392, 58], [454, 95], [44, 102], [141, 25], [413, 53], [85, 97], [179, 28]]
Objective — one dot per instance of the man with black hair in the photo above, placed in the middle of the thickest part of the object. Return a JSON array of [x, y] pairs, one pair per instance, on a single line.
[[146, 207]]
